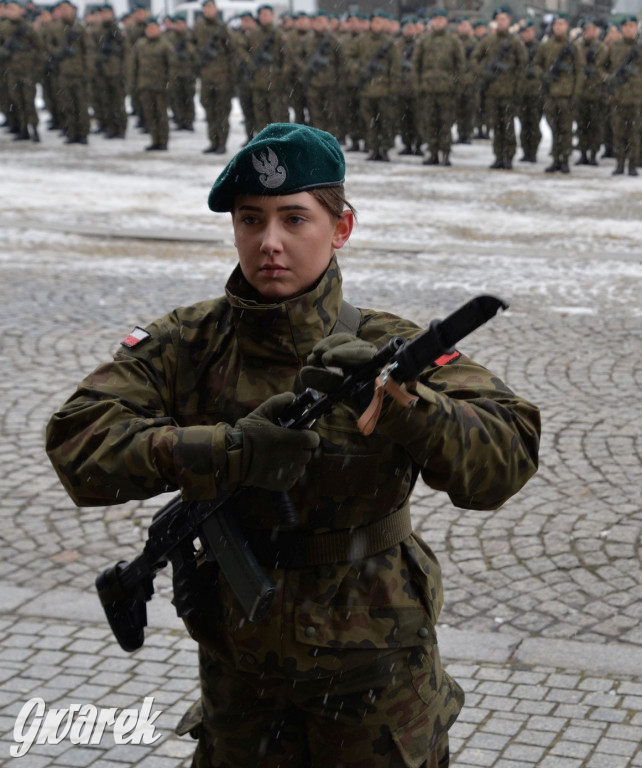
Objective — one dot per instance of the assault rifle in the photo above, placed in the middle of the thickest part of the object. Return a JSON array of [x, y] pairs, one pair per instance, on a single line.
[[376, 65], [624, 70], [557, 67], [189, 533]]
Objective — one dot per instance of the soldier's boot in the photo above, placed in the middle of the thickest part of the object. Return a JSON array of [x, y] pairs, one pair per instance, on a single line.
[[593, 158], [22, 135], [498, 164], [418, 151], [583, 159], [619, 168], [35, 136], [446, 159], [564, 165], [553, 167], [608, 152], [508, 163], [383, 156], [407, 150], [633, 171], [432, 160]]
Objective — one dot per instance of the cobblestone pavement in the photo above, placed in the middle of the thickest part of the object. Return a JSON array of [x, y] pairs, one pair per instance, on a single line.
[[542, 621]]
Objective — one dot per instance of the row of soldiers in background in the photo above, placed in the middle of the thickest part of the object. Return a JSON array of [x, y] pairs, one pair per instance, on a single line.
[[336, 75]]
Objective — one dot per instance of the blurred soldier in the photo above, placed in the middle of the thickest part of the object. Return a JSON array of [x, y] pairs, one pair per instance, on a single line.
[[267, 44], [531, 105], [21, 59], [379, 77], [408, 104], [321, 71], [500, 59], [624, 81], [182, 76], [50, 92], [241, 42], [559, 63], [612, 33], [215, 56], [440, 63], [297, 43], [589, 115], [135, 27], [465, 107], [68, 46], [110, 74], [355, 127], [151, 61], [480, 30]]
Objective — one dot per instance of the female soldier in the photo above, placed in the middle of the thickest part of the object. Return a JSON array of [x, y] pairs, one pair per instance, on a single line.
[[344, 670]]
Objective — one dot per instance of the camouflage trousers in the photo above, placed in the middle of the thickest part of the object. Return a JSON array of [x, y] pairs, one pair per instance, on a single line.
[[393, 712], [559, 116], [501, 120], [530, 116], [589, 124], [438, 120], [626, 120]]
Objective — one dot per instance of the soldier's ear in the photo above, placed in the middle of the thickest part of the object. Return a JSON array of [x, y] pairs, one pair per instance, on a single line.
[[343, 229]]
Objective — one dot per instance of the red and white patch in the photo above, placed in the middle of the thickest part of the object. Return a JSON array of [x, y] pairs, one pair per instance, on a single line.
[[135, 337]]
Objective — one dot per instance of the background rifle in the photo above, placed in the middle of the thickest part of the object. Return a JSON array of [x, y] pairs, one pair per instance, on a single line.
[[189, 533], [625, 69]]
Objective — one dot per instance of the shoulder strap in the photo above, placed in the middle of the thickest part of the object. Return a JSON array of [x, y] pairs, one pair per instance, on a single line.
[[348, 320]]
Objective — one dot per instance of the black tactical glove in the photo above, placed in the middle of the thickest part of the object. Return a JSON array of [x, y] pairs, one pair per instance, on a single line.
[[269, 456]]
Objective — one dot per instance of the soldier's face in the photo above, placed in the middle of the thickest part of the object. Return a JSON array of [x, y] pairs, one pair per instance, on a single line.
[[286, 242]]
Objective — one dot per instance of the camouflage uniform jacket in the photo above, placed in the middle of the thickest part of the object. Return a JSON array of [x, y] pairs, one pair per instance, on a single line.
[[408, 85], [440, 62], [499, 60], [380, 64], [152, 421], [183, 55], [469, 43], [531, 83], [110, 50], [295, 52], [568, 80], [214, 52], [21, 49], [266, 58], [323, 64], [626, 88], [68, 46], [151, 62]]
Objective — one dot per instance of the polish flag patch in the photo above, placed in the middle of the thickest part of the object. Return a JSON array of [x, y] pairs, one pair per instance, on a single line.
[[137, 336]]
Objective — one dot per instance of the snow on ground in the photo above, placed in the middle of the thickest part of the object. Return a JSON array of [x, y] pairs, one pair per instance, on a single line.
[[525, 233]]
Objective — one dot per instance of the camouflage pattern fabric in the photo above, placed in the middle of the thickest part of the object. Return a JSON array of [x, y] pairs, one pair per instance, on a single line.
[[151, 421], [391, 712]]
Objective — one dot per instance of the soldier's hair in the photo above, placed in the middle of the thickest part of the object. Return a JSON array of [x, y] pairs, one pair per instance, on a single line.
[[333, 199]]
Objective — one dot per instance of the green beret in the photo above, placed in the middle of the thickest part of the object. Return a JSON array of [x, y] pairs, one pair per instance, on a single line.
[[563, 16], [439, 12], [180, 16], [502, 9], [480, 23], [282, 159], [527, 24], [629, 17], [151, 20], [264, 7]]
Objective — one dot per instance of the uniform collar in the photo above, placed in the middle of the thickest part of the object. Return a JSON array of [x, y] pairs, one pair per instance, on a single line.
[[284, 333]]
